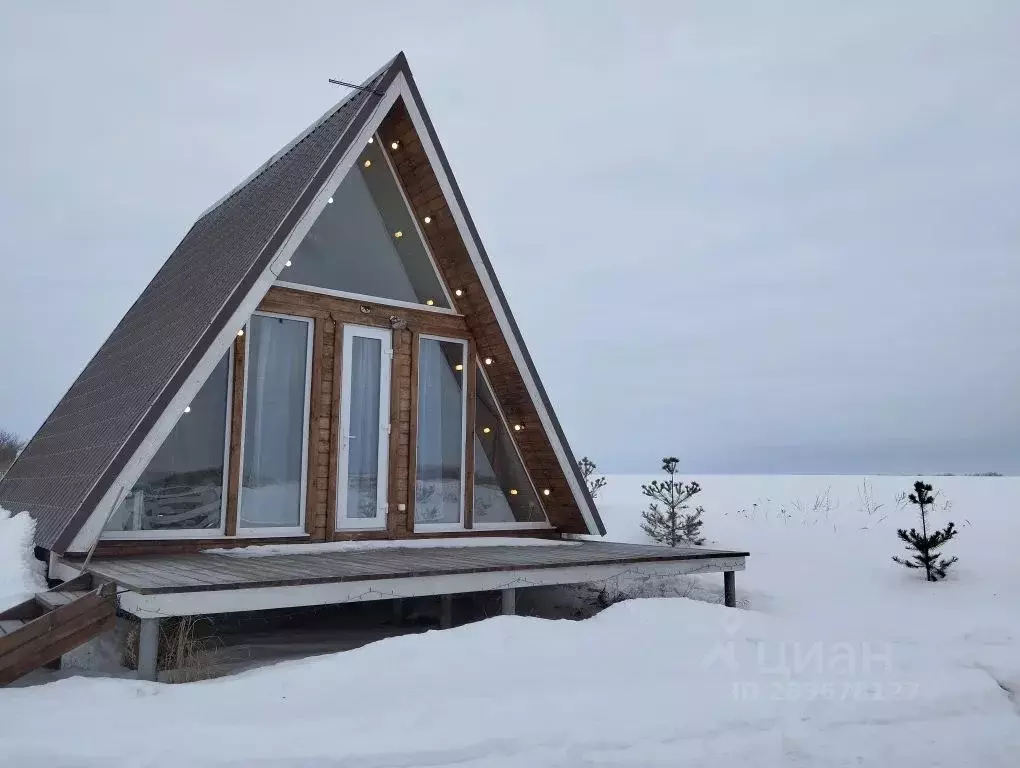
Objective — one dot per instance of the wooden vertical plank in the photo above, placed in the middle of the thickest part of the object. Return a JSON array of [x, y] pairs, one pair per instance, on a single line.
[[236, 433], [412, 462], [312, 512], [334, 427], [394, 523], [469, 431]]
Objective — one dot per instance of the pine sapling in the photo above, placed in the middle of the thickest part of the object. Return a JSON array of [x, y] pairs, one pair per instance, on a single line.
[[595, 482], [668, 519], [924, 548]]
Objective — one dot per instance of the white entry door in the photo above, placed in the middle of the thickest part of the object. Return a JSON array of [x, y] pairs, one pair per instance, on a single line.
[[364, 428]]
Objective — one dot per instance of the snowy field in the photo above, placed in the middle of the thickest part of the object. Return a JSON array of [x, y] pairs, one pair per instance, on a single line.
[[838, 657]]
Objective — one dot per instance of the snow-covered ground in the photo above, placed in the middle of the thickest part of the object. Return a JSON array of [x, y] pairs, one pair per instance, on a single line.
[[838, 658], [21, 574]]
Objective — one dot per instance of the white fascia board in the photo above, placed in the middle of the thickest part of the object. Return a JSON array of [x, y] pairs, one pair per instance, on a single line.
[[505, 326], [93, 527], [151, 606]]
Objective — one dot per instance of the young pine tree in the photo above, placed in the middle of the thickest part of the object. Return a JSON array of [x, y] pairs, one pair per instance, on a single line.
[[668, 519], [924, 548], [595, 482]]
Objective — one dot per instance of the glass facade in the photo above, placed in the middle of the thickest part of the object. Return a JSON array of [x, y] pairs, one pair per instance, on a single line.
[[272, 464], [503, 491], [365, 242], [182, 487], [439, 474]]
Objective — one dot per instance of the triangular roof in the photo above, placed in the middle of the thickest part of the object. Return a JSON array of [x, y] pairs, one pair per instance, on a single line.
[[101, 433]]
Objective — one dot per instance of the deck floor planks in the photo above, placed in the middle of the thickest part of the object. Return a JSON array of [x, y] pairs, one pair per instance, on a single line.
[[183, 573], [124, 571]]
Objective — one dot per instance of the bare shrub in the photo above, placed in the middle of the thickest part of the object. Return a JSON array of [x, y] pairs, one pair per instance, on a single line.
[[184, 654], [866, 497], [820, 508], [10, 447]]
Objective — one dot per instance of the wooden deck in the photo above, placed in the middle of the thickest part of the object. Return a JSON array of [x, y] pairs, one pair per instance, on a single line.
[[157, 574], [156, 586]]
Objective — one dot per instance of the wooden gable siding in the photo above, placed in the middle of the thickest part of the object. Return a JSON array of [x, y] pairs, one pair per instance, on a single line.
[[426, 197]]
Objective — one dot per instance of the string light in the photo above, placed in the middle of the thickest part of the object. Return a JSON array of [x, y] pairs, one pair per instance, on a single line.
[[187, 409], [398, 233], [368, 163], [430, 302], [287, 264], [427, 219], [546, 492], [513, 491], [458, 292], [241, 332], [330, 200], [486, 430], [518, 427], [458, 367], [394, 145], [488, 361], [370, 139]]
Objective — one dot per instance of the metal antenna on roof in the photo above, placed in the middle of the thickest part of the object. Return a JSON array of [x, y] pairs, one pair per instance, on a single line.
[[358, 87]]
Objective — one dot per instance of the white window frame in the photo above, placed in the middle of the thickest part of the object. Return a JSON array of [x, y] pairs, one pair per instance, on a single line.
[[289, 531], [451, 310], [416, 526], [364, 297], [506, 526], [195, 533], [385, 336]]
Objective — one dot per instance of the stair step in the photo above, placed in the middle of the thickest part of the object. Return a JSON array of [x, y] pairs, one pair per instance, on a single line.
[[56, 599], [10, 625]]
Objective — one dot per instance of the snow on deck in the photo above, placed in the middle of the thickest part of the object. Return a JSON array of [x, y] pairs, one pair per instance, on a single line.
[[271, 550]]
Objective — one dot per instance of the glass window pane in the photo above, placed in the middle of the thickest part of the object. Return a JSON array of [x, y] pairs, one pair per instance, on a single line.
[[503, 492], [363, 440], [366, 241], [182, 488], [440, 453], [274, 434]]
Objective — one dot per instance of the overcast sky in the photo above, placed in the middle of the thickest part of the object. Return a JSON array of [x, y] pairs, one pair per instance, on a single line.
[[763, 237]]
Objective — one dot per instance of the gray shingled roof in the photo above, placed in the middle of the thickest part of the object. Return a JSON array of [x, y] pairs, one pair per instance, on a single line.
[[91, 434], [85, 442]]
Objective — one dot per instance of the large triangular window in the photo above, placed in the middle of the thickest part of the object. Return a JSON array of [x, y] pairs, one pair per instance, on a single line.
[[366, 242], [184, 486], [504, 493]]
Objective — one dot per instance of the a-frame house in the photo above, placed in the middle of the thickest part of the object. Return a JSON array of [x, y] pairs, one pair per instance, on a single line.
[[327, 355]]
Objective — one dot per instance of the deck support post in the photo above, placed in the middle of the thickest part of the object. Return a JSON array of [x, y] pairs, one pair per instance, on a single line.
[[508, 601], [148, 649], [730, 588], [398, 611], [445, 611]]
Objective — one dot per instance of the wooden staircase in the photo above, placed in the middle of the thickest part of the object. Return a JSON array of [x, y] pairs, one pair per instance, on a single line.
[[38, 631]]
